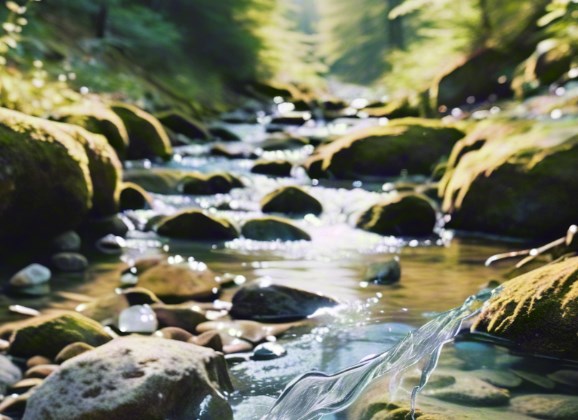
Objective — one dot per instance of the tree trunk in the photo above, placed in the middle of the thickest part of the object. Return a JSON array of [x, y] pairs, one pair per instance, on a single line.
[[395, 30], [486, 22], [101, 20]]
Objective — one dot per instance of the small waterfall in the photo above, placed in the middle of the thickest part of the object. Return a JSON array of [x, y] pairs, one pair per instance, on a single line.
[[316, 394]]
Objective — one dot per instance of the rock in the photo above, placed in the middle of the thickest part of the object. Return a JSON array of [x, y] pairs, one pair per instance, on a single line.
[[268, 351], [273, 229], [32, 275], [501, 379], [68, 241], [185, 316], [180, 282], [173, 333], [291, 118], [47, 335], [283, 141], [94, 229], [156, 180], [24, 385], [251, 331], [138, 319], [147, 137], [230, 152], [514, 184], [400, 108], [181, 124], [535, 379], [34, 150], [565, 377], [409, 145], [470, 391], [239, 117], [402, 215], [110, 244], [72, 350], [274, 303], [98, 118], [210, 339], [133, 197], [281, 168], [550, 406], [9, 374], [270, 90], [69, 262], [127, 378], [386, 272], [196, 226], [14, 405], [209, 184], [37, 361], [223, 134], [537, 311], [290, 200], [41, 371]]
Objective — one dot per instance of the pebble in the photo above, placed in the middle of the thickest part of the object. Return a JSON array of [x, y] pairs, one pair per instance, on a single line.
[[211, 339], [37, 361], [25, 385], [174, 333], [72, 350], [32, 275], [268, 351], [138, 319], [387, 272], [40, 371], [69, 262], [111, 244], [67, 242]]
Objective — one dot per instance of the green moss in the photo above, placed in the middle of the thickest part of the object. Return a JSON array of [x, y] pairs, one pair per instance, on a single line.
[[48, 335], [537, 311], [147, 137], [273, 229], [290, 200], [195, 225]]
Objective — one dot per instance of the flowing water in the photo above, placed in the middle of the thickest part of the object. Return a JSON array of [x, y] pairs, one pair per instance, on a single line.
[[371, 335]]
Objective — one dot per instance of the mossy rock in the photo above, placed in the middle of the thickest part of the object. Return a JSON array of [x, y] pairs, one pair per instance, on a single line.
[[273, 229], [147, 137], [270, 90], [400, 108], [209, 184], [291, 200], [520, 183], [223, 134], [134, 197], [48, 335], [33, 154], [175, 283], [403, 215], [409, 144], [98, 118], [195, 225], [179, 123], [281, 168], [283, 141], [537, 311]]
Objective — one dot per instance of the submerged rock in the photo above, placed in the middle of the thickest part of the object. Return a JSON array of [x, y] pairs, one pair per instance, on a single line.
[[274, 303], [281, 168], [182, 124], [290, 200], [413, 145], [520, 183], [537, 311], [195, 225], [470, 391], [550, 406], [180, 282], [386, 272], [136, 377], [48, 335], [148, 138], [403, 215], [273, 229], [185, 316]]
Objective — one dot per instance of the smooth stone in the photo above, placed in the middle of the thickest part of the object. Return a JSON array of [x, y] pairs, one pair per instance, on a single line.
[[195, 225], [69, 262], [547, 406], [69, 241], [72, 350], [174, 333], [32, 275], [268, 351], [565, 377], [40, 371], [535, 378], [14, 405], [138, 319], [9, 373], [174, 283], [470, 391], [275, 303], [210, 339], [134, 375], [501, 379], [386, 272], [273, 229], [252, 331], [110, 244], [47, 335], [291, 200], [185, 316], [223, 134], [279, 168], [38, 361], [25, 385], [134, 197]]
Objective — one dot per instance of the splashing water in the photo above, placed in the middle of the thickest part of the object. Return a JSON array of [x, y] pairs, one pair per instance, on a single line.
[[316, 394]]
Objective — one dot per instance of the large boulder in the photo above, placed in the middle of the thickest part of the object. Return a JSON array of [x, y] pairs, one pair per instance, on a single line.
[[196, 225], [537, 311], [51, 176], [291, 200], [275, 303], [402, 215], [273, 229], [48, 335], [408, 144], [136, 377], [147, 137], [521, 182]]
